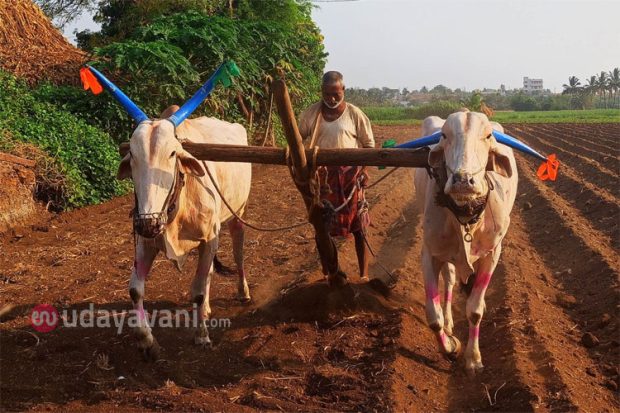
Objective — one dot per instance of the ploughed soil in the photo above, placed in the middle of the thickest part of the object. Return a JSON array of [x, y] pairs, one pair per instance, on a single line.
[[549, 336]]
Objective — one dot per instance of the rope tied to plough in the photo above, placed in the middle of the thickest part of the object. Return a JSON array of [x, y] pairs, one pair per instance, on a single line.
[[236, 214], [314, 185]]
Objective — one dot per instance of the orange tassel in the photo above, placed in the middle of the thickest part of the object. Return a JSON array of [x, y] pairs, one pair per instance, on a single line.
[[89, 81], [549, 169]]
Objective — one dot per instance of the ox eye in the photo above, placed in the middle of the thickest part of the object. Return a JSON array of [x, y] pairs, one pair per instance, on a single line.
[[443, 136], [173, 154], [489, 136]]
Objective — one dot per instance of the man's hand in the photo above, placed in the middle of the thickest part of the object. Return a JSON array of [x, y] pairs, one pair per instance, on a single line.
[[364, 178]]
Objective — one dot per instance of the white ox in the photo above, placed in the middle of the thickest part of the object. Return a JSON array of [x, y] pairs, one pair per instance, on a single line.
[[466, 212], [178, 209]]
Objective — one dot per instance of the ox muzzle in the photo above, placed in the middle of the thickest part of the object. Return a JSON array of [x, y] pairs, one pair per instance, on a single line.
[[152, 224]]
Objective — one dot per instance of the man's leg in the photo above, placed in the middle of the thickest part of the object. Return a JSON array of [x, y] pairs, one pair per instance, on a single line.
[[362, 253]]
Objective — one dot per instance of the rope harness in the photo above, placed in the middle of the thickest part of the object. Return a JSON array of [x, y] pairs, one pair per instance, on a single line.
[[169, 209], [235, 213], [468, 214]]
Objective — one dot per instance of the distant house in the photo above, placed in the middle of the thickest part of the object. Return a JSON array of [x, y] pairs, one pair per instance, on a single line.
[[532, 85], [488, 91]]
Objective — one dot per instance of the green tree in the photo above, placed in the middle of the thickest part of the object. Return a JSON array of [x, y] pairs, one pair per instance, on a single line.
[[65, 11], [177, 45], [614, 84], [603, 82], [441, 89], [474, 103], [572, 87], [523, 102]]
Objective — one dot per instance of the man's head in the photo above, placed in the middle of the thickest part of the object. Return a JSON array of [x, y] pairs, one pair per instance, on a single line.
[[332, 89]]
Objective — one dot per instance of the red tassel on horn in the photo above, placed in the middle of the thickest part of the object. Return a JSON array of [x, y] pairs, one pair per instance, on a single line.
[[549, 168], [89, 81]]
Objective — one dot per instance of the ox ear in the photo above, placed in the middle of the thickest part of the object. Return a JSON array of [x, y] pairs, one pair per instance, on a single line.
[[499, 163], [190, 165], [436, 156], [124, 168]]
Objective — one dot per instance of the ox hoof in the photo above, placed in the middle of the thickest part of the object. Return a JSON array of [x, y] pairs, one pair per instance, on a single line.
[[203, 342], [244, 299], [474, 369], [456, 349], [152, 352], [337, 280]]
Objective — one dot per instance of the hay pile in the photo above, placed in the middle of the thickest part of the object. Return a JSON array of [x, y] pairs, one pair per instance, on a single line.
[[32, 48]]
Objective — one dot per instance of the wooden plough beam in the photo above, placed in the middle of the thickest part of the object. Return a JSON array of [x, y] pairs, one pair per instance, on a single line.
[[326, 157], [302, 175]]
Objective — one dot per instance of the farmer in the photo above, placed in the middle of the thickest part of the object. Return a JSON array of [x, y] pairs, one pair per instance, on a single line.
[[334, 123]]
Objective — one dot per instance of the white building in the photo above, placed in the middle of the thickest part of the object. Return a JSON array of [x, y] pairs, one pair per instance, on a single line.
[[532, 85]]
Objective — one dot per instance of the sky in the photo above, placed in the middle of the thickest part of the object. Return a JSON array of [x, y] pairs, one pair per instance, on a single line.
[[467, 44]]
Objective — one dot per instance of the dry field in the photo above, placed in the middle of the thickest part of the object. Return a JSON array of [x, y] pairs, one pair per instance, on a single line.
[[301, 346]]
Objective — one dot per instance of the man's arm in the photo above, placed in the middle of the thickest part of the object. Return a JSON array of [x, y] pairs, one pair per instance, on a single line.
[[365, 136], [303, 126], [366, 139]]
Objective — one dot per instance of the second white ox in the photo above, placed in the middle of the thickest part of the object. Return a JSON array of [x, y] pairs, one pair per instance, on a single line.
[[178, 208], [466, 207]]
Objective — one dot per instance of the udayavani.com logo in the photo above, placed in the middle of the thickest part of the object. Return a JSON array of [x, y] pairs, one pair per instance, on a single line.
[[45, 318]]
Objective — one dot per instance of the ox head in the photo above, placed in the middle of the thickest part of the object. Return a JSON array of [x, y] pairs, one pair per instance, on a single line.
[[467, 148], [158, 164], [156, 161]]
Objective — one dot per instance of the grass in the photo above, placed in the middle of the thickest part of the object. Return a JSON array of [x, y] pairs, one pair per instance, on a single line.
[[400, 116], [560, 116], [385, 113]]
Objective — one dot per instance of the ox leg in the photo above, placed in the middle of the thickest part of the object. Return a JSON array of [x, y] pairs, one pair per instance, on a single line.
[[237, 234], [449, 278], [145, 255], [475, 308], [200, 288], [448, 344]]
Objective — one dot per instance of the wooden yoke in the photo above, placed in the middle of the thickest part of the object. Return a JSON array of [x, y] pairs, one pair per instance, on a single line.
[[302, 175]]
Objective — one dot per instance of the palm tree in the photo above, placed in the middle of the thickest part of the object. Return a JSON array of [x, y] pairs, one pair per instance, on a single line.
[[602, 82], [572, 87], [591, 87], [614, 83]]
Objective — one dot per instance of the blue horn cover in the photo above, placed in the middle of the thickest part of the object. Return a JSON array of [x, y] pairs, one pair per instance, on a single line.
[[222, 75], [133, 109], [422, 142], [500, 137], [516, 144]]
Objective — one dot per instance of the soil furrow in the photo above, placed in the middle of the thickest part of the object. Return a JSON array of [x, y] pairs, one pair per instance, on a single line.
[[591, 170]]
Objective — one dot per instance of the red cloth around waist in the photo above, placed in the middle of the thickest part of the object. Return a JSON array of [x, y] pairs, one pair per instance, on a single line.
[[337, 182]]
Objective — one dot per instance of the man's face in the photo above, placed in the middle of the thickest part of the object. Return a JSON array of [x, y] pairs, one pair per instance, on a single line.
[[333, 95]]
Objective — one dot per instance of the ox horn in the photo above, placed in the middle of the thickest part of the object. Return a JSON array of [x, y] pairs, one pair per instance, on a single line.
[[133, 109], [422, 142], [222, 75], [500, 137], [516, 144]]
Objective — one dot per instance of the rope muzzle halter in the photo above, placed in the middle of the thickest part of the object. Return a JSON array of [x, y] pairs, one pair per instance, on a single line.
[[467, 215], [152, 224]]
